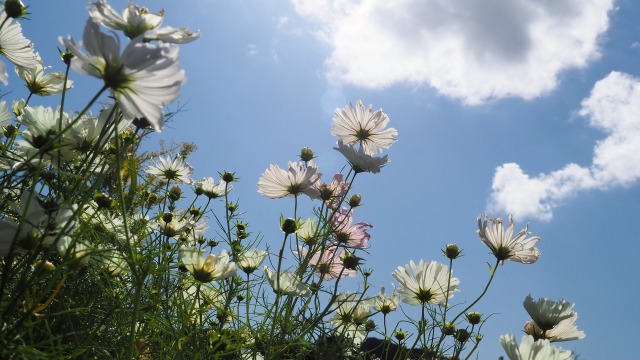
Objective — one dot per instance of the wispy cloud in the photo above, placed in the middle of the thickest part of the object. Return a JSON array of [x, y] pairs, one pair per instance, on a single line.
[[613, 107], [252, 49], [472, 50]]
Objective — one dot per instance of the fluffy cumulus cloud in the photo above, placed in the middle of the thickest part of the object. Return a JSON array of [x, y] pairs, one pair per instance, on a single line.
[[472, 50], [613, 107]]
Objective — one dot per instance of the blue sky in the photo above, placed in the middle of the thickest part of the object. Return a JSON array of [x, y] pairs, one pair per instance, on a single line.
[[505, 107]]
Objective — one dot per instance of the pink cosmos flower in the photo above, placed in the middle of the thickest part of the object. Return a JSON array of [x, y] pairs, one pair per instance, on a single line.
[[327, 263], [354, 235]]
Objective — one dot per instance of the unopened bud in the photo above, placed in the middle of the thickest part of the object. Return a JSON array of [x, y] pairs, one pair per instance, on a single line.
[[141, 123], [175, 193], [369, 325], [306, 154], [9, 130], [289, 226], [354, 200], [15, 9], [452, 251], [103, 200], [45, 265], [228, 177], [400, 335]]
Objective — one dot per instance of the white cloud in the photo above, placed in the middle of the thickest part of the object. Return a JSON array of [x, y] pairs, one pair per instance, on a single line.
[[472, 50], [252, 49], [614, 108]]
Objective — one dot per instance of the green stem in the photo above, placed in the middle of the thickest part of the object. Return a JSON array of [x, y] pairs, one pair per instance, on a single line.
[[493, 273]]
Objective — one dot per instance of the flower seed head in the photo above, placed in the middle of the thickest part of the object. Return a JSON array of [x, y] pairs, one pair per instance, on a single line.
[[462, 335], [449, 328], [474, 318]]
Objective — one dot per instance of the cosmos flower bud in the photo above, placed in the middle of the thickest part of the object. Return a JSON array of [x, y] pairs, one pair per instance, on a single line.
[[369, 325], [228, 177], [175, 193], [15, 9], [452, 251], [306, 154], [103, 200], [9, 130], [289, 226], [400, 335], [45, 265], [141, 123], [314, 287], [354, 200], [66, 56]]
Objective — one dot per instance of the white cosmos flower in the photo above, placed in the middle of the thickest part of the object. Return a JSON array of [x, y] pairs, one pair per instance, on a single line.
[[425, 283], [136, 21], [74, 251], [352, 312], [143, 79], [564, 330], [363, 126], [287, 283], [386, 304], [40, 84], [506, 246], [251, 259], [277, 183], [4, 77], [531, 349], [209, 268], [42, 126], [359, 160], [5, 116], [174, 224], [14, 45], [210, 189], [32, 225], [171, 169], [88, 131], [309, 232], [552, 320]]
